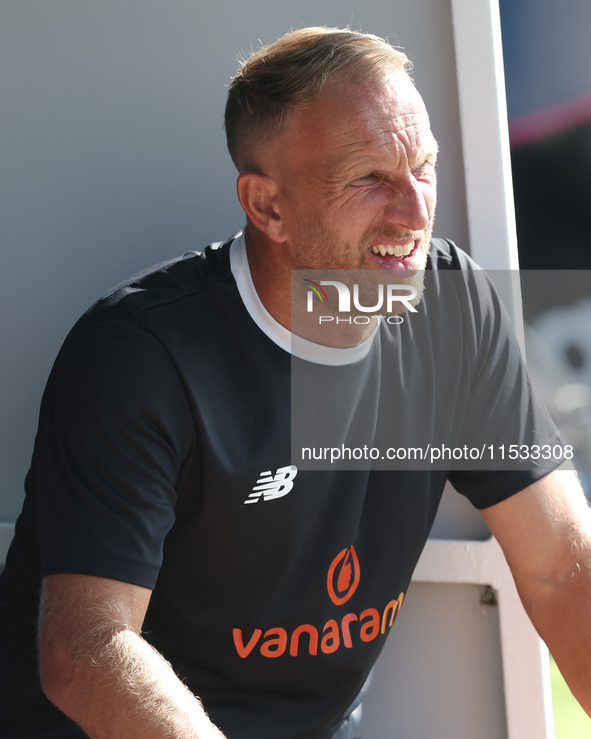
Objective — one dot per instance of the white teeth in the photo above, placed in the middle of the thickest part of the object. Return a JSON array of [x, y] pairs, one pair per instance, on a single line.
[[398, 250]]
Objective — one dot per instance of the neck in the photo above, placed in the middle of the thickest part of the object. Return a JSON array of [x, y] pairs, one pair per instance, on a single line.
[[286, 298]]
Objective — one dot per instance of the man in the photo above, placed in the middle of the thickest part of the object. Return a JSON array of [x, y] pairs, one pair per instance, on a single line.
[[164, 512]]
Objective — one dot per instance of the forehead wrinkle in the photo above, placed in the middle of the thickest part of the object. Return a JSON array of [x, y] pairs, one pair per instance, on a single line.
[[349, 126], [382, 126], [396, 143]]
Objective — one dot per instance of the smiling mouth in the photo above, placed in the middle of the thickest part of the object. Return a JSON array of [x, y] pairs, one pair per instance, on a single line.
[[393, 251]]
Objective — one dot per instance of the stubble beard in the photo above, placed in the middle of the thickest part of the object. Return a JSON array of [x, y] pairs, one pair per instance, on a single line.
[[332, 258]]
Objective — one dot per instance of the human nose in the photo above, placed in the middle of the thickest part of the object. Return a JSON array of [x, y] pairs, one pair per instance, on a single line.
[[411, 204]]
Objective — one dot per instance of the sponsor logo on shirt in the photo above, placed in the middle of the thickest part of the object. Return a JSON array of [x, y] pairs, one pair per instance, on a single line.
[[270, 486], [344, 575]]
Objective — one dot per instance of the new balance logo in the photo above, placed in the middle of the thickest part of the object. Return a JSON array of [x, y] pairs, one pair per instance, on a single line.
[[271, 486]]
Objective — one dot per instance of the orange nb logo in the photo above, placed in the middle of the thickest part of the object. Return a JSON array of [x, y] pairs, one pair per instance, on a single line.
[[343, 576]]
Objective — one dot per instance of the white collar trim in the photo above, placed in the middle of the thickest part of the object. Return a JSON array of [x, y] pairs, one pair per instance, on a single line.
[[291, 343]]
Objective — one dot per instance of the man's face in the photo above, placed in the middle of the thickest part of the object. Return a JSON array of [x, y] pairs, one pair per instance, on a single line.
[[356, 177]]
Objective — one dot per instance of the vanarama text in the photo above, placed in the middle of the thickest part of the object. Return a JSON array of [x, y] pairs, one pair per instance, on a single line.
[[276, 641]]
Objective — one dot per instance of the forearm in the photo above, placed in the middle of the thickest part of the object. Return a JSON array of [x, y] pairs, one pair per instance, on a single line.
[[545, 532], [99, 671], [562, 617], [127, 689]]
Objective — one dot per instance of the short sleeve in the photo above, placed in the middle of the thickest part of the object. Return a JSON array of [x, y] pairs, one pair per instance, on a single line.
[[504, 416], [114, 430]]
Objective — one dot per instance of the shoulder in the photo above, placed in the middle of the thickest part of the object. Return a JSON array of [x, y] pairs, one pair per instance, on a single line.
[[457, 280], [164, 285], [445, 254], [135, 334]]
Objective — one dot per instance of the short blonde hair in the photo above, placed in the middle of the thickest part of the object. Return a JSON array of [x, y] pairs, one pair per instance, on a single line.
[[292, 71]]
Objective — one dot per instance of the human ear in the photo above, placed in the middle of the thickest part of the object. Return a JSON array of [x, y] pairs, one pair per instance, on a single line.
[[258, 196]]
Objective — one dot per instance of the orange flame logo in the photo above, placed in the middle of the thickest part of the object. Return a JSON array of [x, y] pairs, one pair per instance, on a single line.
[[343, 576]]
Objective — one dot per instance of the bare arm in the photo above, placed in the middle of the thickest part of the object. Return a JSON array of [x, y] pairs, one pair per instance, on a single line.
[[99, 671], [545, 533]]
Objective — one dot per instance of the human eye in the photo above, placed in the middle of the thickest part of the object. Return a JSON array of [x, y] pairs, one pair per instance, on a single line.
[[425, 169], [365, 179]]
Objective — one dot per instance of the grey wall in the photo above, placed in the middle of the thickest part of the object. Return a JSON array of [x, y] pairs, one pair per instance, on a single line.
[[439, 676], [113, 155]]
